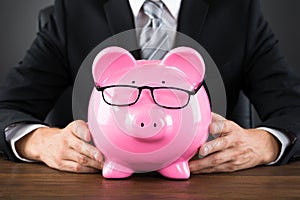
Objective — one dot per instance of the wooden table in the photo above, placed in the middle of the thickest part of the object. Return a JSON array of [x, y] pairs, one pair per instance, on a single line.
[[36, 181]]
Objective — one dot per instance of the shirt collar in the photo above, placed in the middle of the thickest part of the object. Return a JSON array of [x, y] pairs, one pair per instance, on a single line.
[[172, 5]]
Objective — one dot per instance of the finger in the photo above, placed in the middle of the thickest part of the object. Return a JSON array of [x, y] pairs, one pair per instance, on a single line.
[[213, 169], [216, 128], [71, 166], [222, 126], [217, 125], [224, 167], [209, 161], [86, 149], [80, 129], [217, 117], [218, 144], [85, 160], [227, 160]]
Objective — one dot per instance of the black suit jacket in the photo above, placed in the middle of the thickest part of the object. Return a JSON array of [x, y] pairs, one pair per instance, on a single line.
[[233, 32]]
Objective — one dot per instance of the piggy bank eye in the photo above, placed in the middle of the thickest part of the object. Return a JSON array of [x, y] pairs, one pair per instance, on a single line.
[[172, 98], [120, 95]]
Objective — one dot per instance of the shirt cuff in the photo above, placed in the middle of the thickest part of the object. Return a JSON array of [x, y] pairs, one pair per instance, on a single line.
[[15, 132], [283, 139]]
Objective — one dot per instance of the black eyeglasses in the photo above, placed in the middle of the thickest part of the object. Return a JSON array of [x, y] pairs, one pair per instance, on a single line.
[[166, 97]]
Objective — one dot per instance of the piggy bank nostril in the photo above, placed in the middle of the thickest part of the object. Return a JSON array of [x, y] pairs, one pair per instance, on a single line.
[[154, 125]]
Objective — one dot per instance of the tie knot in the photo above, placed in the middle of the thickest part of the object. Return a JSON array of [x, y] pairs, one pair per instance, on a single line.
[[153, 9]]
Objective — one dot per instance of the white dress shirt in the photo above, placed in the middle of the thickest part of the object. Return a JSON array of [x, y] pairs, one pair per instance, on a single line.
[[170, 17]]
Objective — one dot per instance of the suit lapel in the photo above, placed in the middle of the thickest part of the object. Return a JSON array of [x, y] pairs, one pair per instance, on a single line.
[[119, 18], [192, 16]]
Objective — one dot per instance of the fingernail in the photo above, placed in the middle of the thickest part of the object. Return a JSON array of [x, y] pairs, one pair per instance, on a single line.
[[200, 156], [82, 133], [99, 157], [206, 150], [217, 127]]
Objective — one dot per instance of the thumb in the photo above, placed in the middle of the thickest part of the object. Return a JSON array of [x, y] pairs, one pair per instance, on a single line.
[[217, 117], [81, 130], [217, 125]]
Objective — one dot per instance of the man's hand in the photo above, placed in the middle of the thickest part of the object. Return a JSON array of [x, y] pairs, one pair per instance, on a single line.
[[63, 149], [234, 148]]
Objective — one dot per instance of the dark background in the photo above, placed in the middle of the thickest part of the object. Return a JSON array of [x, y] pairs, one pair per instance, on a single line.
[[18, 26]]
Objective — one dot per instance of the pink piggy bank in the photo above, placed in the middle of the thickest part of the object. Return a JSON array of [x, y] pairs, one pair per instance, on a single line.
[[148, 115]]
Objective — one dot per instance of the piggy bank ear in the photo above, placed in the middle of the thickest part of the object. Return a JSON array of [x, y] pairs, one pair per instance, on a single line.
[[110, 62], [187, 60]]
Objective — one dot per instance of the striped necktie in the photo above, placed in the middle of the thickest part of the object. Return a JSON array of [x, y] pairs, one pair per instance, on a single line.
[[153, 38]]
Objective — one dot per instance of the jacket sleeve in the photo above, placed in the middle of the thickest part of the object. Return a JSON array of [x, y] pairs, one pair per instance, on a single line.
[[272, 87], [33, 86]]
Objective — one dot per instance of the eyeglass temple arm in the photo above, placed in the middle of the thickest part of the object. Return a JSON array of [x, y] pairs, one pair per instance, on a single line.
[[199, 86], [98, 87]]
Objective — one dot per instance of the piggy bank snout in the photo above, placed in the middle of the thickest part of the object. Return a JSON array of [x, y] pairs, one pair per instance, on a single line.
[[143, 119], [147, 121], [146, 114]]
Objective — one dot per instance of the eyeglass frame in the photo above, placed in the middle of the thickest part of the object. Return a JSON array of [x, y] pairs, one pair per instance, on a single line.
[[141, 88]]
